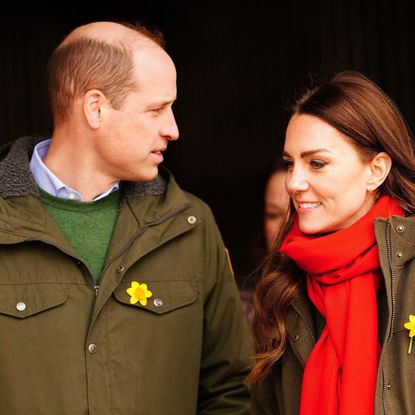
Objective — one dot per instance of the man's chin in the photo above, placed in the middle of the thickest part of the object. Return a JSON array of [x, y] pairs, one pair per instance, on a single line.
[[146, 176]]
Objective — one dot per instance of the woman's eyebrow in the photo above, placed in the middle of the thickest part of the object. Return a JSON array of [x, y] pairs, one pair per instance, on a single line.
[[307, 153]]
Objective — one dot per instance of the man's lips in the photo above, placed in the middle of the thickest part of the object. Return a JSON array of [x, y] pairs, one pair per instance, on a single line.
[[158, 155]]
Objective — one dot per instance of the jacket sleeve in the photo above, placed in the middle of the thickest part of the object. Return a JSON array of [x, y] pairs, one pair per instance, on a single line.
[[227, 347]]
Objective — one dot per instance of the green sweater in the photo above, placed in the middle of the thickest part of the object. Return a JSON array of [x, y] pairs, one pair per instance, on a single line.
[[88, 226]]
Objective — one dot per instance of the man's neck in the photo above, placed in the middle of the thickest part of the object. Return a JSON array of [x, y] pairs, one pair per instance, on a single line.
[[72, 165]]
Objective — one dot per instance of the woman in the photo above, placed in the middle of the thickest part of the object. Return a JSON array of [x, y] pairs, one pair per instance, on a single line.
[[332, 305]]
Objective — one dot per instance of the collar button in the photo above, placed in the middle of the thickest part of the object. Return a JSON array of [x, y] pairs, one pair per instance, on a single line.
[[400, 228]]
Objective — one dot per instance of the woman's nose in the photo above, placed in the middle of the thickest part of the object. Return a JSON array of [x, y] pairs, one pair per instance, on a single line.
[[296, 182]]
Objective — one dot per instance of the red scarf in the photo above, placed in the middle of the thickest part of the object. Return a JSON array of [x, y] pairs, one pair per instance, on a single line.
[[343, 275]]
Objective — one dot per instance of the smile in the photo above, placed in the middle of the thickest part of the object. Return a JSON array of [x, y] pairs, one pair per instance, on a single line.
[[309, 205]]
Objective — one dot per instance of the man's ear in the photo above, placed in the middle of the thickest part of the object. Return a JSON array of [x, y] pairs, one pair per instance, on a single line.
[[379, 169], [94, 103]]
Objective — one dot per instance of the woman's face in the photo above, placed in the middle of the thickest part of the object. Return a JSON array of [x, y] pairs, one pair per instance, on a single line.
[[326, 177]]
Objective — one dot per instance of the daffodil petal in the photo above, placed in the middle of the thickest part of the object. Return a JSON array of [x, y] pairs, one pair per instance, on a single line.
[[143, 301], [134, 284], [148, 294], [133, 300], [130, 291]]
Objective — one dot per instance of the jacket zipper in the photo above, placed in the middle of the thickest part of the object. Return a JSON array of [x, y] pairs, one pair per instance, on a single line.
[[137, 235], [310, 331], [389, 255], [120, 253]]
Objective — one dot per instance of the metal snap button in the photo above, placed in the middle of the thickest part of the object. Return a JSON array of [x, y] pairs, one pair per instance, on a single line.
[[399, 255], [296, 337], [400, 228], [21, 306], [121, 268], [158, 302], [191, 220], [92, 348]]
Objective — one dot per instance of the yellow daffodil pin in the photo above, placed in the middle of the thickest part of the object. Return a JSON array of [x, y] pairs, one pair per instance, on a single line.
[[410, 325], [138, 293]]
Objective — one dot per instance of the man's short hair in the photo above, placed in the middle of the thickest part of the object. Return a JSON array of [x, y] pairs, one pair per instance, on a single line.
[[87, 63]]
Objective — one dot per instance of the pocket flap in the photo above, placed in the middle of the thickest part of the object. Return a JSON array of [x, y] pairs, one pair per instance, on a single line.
[[24, 300], [165, 295]]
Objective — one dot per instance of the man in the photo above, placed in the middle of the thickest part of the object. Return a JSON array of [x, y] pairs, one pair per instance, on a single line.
[[116, 293]]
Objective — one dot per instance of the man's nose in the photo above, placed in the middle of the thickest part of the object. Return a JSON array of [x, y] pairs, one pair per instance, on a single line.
[[169, 128]]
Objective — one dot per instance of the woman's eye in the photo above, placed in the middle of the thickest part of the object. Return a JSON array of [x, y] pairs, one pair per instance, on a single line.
[[317, 164]]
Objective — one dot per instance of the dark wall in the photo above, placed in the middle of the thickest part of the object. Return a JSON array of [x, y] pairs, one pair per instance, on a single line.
[[236, 67]]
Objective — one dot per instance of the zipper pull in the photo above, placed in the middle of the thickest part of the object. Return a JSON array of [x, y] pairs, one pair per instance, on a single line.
[[96, 289]]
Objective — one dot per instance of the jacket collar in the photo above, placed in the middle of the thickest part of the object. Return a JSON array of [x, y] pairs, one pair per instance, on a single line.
[[395, 236], [22, 214]]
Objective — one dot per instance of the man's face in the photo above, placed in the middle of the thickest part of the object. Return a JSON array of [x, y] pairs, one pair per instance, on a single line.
[[132, 139]]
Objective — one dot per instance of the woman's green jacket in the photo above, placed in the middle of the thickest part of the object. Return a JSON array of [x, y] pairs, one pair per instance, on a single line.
[[279, 392]]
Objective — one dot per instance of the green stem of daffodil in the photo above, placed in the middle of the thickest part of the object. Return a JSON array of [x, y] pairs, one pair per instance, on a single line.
[[410, 346]]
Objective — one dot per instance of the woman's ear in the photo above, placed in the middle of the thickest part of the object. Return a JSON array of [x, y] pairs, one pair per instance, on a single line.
[[379, 169], [94, 102]]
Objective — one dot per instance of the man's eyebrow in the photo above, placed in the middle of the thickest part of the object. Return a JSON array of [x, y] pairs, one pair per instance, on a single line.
[[308, 152], [158, 104], [163, 102]]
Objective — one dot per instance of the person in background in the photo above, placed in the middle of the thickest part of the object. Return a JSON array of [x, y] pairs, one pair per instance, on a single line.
[[276, 206], [116, 294], [275, 213], [334, 311]]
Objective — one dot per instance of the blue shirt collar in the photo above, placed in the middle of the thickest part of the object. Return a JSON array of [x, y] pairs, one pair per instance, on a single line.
[[51, 184]]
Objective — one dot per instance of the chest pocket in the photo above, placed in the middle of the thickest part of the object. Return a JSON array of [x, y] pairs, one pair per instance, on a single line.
[[25, 300], [162, 296]]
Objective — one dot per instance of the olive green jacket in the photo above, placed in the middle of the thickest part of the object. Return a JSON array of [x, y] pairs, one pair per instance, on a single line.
[[279, 393], [68, 347]]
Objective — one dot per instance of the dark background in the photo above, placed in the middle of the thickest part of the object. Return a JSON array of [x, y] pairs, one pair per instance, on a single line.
[[237, 65]]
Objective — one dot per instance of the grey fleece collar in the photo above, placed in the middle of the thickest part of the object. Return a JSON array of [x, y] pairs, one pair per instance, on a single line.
[[16, 178]]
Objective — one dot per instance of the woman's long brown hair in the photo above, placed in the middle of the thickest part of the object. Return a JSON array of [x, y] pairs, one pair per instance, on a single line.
[[358, 108]]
